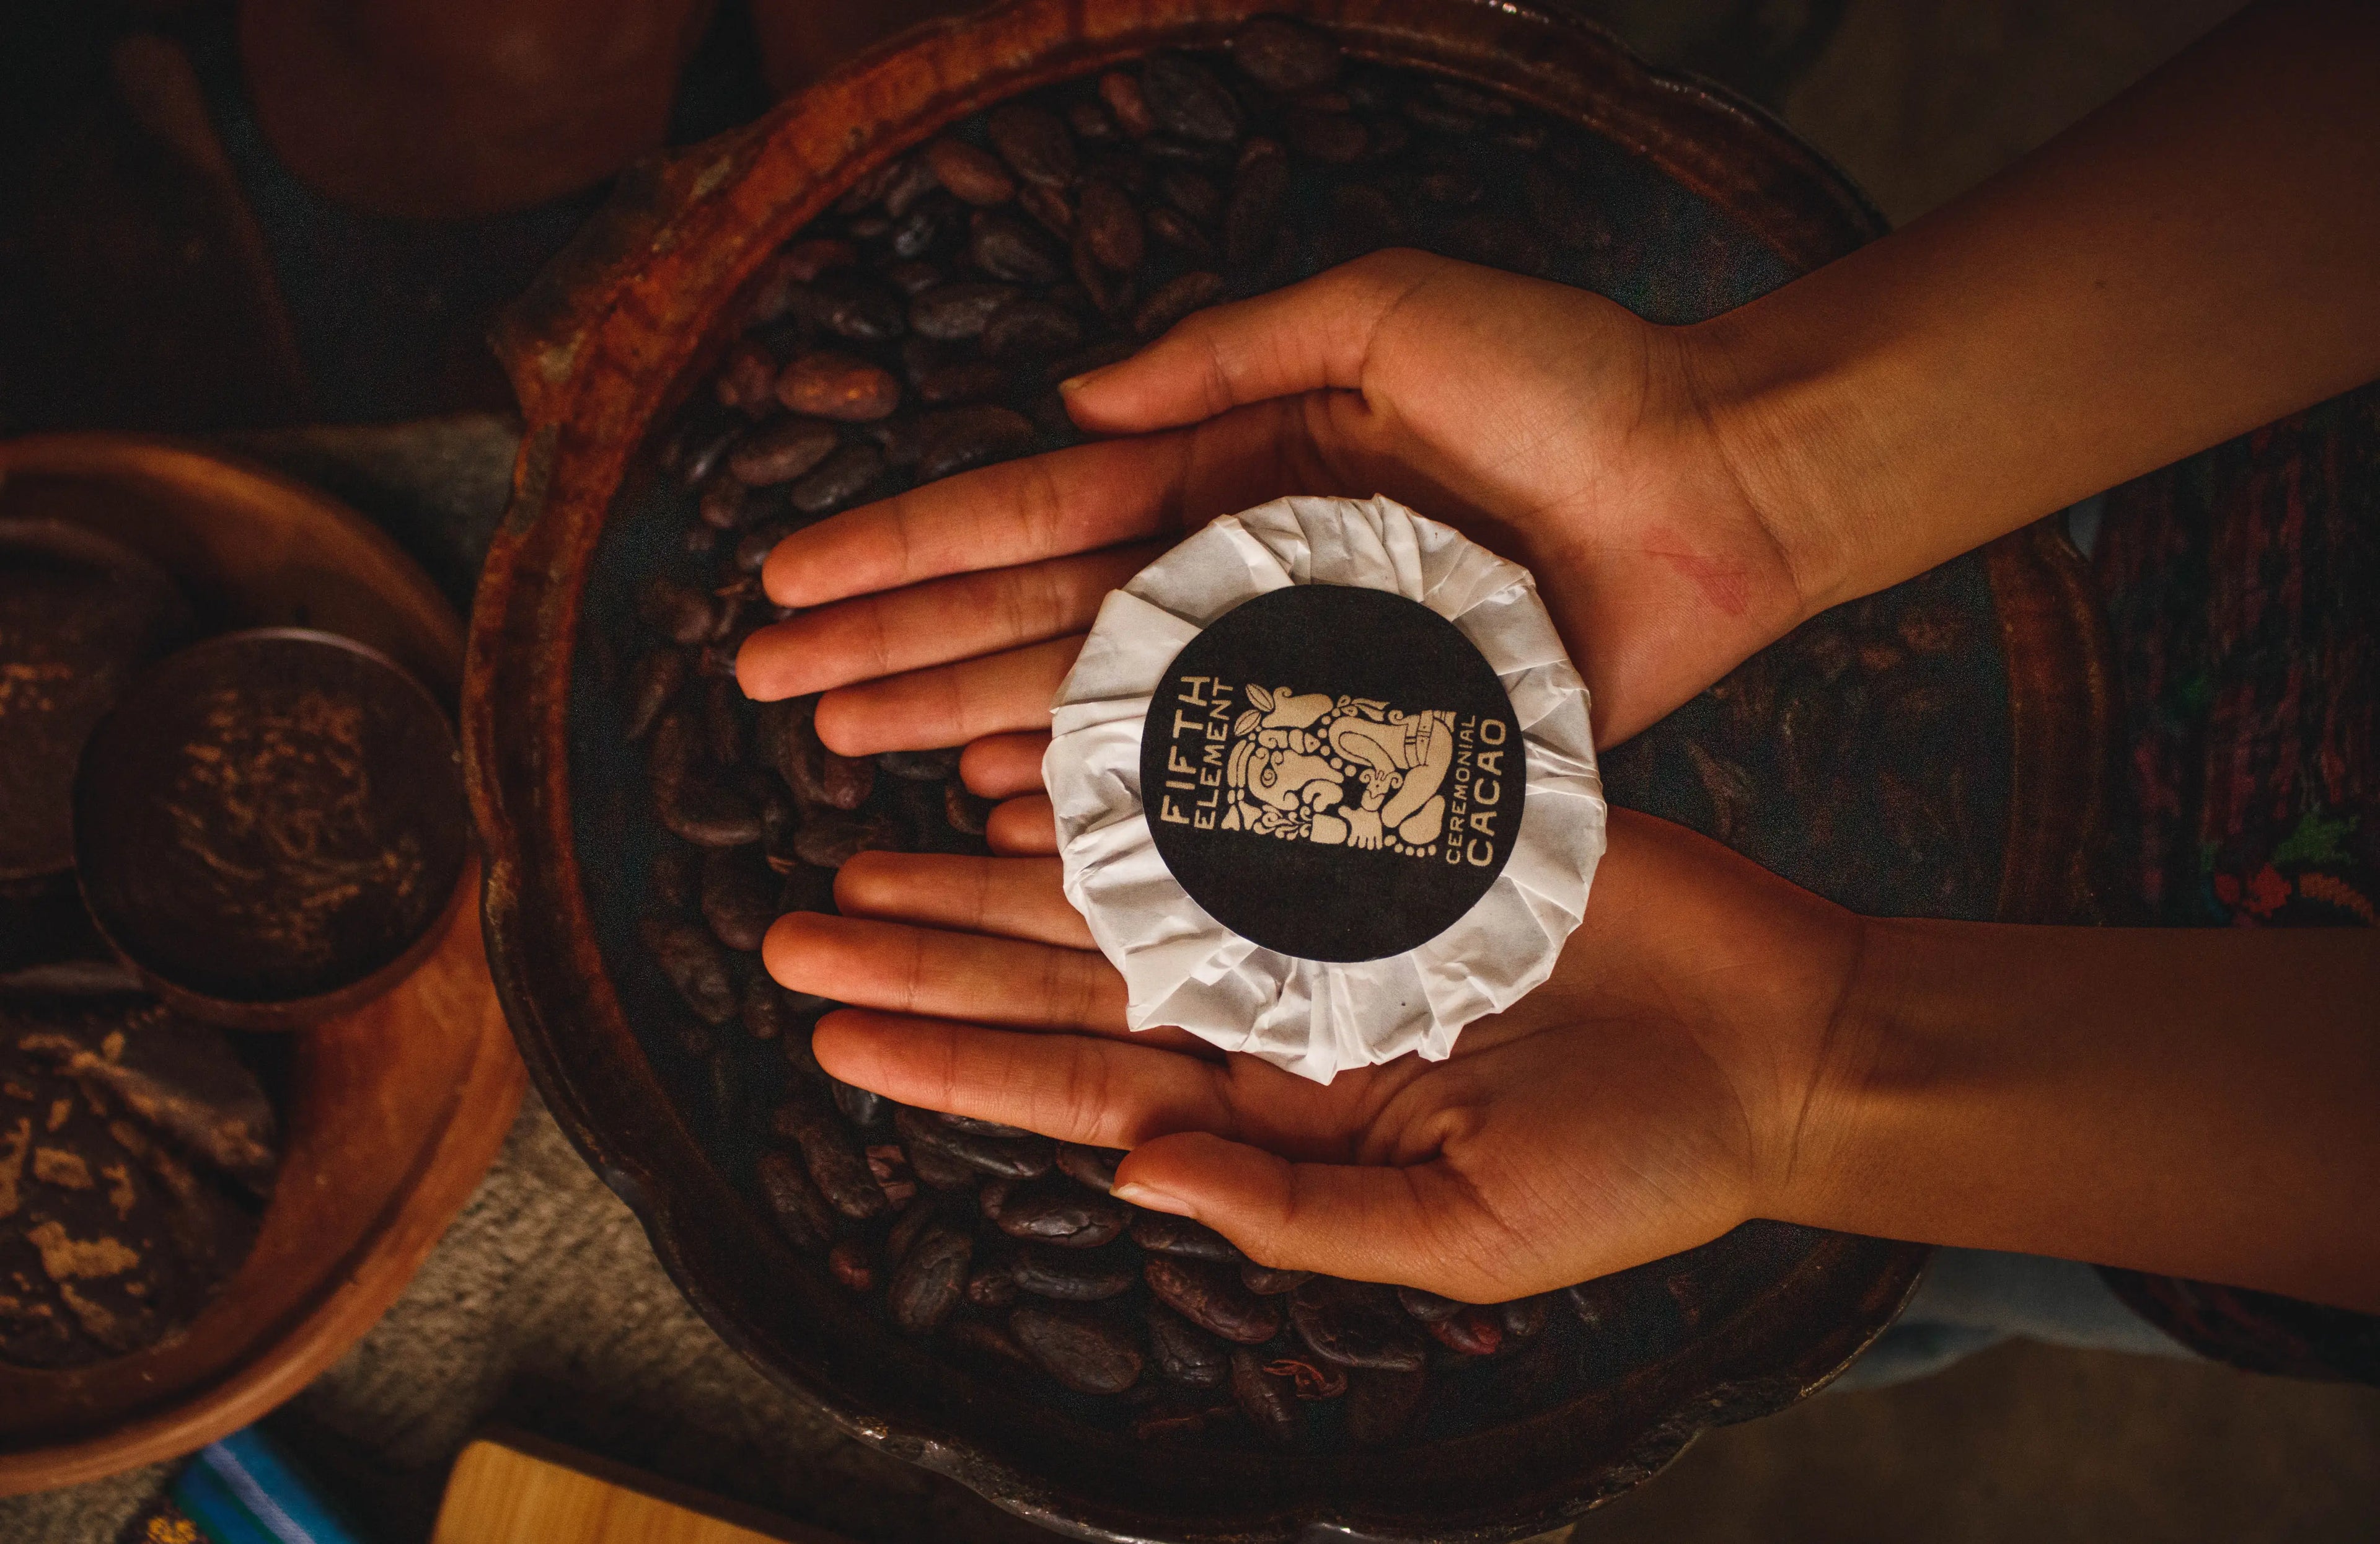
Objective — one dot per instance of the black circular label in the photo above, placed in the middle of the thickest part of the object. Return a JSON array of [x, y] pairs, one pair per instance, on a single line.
[[1332, 772]]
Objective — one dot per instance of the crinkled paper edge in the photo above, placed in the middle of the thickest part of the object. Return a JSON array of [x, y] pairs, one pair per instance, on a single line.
[[1183, 968]]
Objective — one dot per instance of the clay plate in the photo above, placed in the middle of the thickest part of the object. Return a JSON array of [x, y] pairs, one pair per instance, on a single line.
[[1983, 677]]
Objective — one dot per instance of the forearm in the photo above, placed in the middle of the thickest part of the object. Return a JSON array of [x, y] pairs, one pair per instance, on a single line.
[[2197, 1102], [2196, 259]]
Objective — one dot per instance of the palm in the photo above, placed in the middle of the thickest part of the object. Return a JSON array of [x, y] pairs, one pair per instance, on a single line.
[[1628, 1108], [1545, 421]]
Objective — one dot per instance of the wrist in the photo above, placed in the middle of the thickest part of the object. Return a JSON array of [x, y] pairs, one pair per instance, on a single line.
[[1777, 425], [1821, 1162]]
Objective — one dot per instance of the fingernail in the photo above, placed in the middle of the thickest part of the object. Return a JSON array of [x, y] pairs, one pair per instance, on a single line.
[[1073, 383], [1154, 1199]]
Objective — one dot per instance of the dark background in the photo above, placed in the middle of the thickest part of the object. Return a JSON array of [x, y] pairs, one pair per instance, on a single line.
[[159, 270]]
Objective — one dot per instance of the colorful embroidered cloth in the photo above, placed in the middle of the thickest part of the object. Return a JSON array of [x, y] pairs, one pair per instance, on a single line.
[[2243, 592]]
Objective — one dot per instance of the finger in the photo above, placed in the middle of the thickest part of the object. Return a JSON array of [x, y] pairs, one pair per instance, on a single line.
[[1069, 501], [1025, 827], [902, 969], [1078, 500], [1013, 897], [931, 624], [1415, 1225], [1003, 766], [948, 704], [1082, 1088], [1308, 336]]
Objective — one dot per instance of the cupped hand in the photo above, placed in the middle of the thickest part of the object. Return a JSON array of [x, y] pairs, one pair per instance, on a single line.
[[1547, 422], [1645, 1099]]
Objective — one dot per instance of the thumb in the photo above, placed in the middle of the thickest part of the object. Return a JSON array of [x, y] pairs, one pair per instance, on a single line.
[[1415, 1226], [1310, 335]]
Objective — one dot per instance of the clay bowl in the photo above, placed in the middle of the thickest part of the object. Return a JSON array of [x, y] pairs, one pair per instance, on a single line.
[[393, 1110], [376, 799], [1987, 771]]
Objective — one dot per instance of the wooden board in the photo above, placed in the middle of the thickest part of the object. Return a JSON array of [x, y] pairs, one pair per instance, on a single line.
[[515, 1490]]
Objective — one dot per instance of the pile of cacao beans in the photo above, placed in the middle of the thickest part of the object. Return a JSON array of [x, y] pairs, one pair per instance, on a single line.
[[920, 329]]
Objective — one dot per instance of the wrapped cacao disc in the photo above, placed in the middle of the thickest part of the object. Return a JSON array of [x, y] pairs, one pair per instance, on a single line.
[[1323, 783]]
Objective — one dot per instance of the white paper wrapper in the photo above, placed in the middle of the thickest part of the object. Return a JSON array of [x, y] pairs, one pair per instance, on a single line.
[[1179, 965]]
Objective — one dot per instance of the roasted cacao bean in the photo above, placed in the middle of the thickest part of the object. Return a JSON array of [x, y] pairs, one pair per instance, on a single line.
[[766, 1012], [1184, 98], [1524, 1318], [1034, 142], [829, 839], [1123, 97], [1176, 229], [861, 1107], [974, 175], [844, 477], [965, 812], [956, 384], [853, 309], [963, 437], [1009, 248], [1210, 1295], [838, 386], [931, 1277], [989, 1344], [992, 1285], [1063, 1213], [1355, 1325], [1265, 1282], [1473, 1332], [1269, 1402], [678, 612], [1311, 1381], [1029, 328], [652, 681], [1071, 1277], [1161, 1233], [1090, 121], [1184, 1353], [955, 312], [941, 1171], [1093, 1166], [832, 1157], [908, 180], [1106, 220], [703, 810], [1049, 207], [1428, 1307], [689, 957], [1087, 1354], [1174, 299], [795, 1205], [739, 896], [745, 376], [780, 452]]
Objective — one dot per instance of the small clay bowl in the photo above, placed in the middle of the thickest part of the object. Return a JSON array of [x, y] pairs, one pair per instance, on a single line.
[[81, 613], [270, 825]]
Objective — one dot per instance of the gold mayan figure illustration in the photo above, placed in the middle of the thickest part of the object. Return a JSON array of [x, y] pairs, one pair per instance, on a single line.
[[1344, 771]]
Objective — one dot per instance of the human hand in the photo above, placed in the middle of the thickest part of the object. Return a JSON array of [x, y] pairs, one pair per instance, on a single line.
[[1645, 1099], [1547, 422]]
